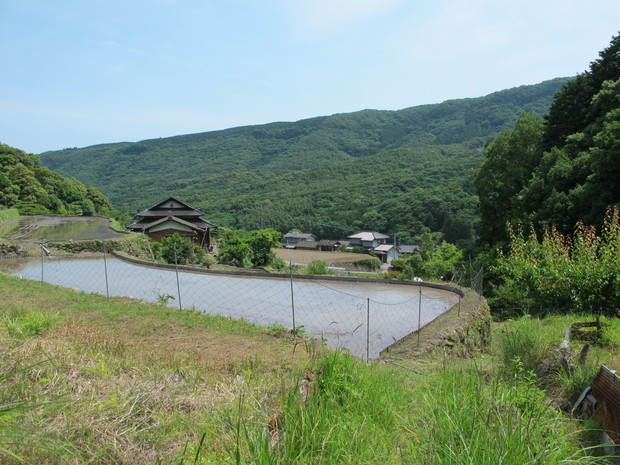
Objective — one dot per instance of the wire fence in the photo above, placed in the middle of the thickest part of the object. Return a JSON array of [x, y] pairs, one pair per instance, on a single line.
[[363, 316]]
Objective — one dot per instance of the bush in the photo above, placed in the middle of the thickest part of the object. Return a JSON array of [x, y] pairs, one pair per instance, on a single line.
[[372, 263], [318, 267], [581, 273], [254, 250], [180, 250]]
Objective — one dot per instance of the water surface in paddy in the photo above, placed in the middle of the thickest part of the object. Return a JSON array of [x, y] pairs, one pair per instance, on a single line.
[[62, 228], [363, 317]]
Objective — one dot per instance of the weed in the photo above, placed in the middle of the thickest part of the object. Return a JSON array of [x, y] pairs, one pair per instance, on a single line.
[[526, 342], [164, 298], [29, 325], [318, 267], [277, 330], [299, 332]]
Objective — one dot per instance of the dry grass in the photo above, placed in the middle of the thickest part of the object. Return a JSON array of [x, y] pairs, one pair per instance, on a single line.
[[125, 382], [308, 256]]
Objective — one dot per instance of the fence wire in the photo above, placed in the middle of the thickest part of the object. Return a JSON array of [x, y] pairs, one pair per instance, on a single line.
[[364, 318]]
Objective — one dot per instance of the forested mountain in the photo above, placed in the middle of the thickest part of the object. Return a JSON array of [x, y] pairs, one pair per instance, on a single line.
[[34, 189], [395, 171], [562, 168]]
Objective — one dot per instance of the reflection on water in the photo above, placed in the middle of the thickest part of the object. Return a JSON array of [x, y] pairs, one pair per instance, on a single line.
[[63, 228], [357, 316]]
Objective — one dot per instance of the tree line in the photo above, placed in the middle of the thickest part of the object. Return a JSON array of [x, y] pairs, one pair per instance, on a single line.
[[34, 189], [549, 191]]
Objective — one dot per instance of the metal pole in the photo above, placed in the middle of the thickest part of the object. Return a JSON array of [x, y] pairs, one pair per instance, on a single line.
[[42, 254], [290, 264], [176, 268], [105, 267], [367, 329], [419, 315]]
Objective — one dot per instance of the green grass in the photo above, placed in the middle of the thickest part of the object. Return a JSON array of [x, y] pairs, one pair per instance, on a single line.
[[28, 324], [375, 414], [8, 214], [93, 380]]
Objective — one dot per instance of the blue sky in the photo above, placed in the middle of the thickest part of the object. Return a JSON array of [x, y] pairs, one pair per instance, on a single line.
[[83, 72]]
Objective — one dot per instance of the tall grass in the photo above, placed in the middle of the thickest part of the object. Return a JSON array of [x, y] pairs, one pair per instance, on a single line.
[[535, 345], [478, 421], [524, 339], [371, 414], [8, 214], [342, 414]]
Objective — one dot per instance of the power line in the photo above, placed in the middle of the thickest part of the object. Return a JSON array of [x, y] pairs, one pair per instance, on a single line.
[[308, 220]]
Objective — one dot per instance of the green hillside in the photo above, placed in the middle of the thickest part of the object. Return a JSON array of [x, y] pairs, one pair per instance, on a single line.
[[34, 189], [396, 171]]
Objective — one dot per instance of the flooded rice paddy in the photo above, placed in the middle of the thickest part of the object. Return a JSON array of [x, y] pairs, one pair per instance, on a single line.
[[362, 317], [61, 228]]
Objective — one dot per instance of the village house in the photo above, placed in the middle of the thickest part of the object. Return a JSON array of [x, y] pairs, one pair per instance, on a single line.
[[299, 240], [386, 253], [173, 216], [370, 240]]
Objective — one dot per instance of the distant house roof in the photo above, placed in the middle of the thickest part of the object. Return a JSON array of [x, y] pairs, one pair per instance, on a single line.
[[169, 218], [369, 236], [405, 249], [301, 236], [171, 208], [383, 248]]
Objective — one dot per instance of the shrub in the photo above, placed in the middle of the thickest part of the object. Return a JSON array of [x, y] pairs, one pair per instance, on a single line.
[[372, 263], [318, 267], [581, 273]]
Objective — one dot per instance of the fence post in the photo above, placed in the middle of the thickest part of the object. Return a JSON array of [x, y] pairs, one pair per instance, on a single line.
[[176, 269], [42, 254], [367, 329], [105, 268], [419, 315], [290, 264]]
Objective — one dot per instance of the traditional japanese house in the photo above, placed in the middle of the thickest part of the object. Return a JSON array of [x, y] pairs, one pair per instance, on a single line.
[[173, 216]]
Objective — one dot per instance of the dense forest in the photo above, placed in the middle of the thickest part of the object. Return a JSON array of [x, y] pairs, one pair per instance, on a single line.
[[562, 168], [549, 193], [400, 172], [35, 190]]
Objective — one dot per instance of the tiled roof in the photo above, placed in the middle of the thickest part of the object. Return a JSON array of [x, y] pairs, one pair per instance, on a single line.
[[299, 235], [383, 248], [369, 236]]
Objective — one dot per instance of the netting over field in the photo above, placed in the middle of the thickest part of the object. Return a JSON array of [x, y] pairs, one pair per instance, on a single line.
[[363, 317]]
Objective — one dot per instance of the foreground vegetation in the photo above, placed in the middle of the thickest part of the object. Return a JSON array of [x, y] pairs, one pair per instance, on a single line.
[[90, 380]]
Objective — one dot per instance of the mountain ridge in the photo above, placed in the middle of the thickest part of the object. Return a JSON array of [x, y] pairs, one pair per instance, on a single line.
[[271, 162]]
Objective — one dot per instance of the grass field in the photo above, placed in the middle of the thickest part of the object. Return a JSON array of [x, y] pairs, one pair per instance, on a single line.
[[88, 380]]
